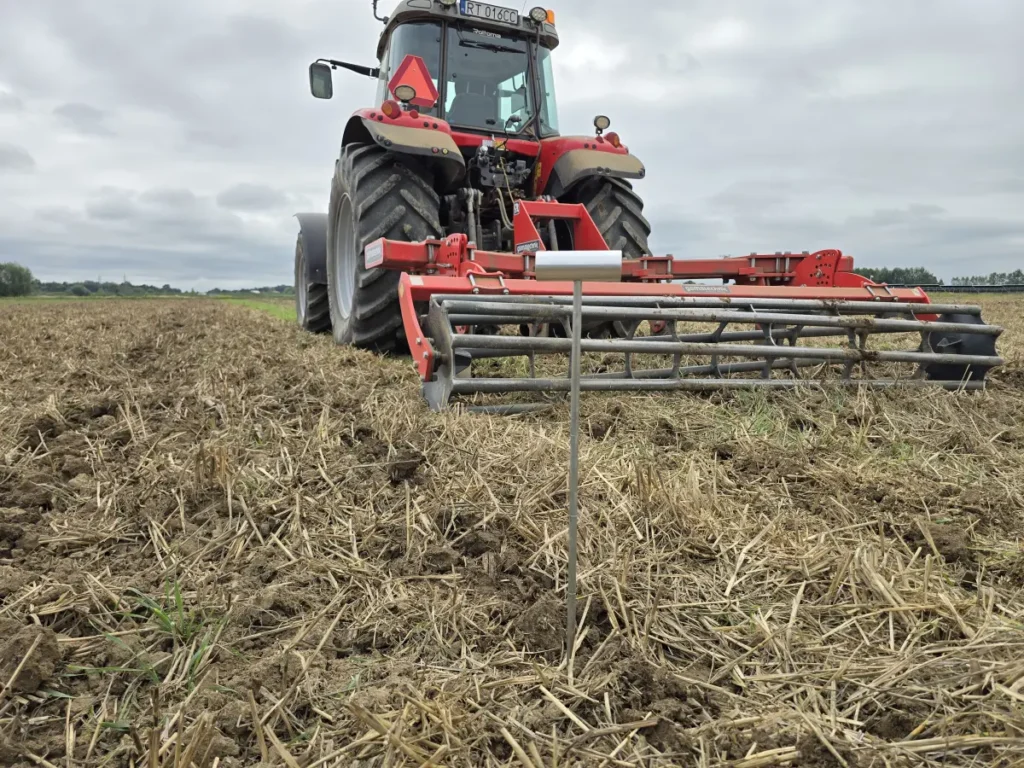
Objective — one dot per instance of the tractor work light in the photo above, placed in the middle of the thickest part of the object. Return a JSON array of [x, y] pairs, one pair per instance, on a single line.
[[539, 15], [602, 122], [405, 93]]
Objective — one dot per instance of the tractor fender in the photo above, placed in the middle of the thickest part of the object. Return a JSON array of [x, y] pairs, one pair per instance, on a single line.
[[568, 160], [424, 137], [313, 233]]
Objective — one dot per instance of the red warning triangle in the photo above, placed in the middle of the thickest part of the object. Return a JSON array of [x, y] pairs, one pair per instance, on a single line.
[[413, 71]]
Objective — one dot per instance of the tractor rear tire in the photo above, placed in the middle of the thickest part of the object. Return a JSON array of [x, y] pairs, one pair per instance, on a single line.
[[375, 194], [312, 308], [618, 212]]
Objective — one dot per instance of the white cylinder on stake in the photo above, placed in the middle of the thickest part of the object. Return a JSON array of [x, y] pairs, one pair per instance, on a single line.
[[603, 266]]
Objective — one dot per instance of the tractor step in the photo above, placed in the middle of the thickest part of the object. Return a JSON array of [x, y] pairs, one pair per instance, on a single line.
[[702, 344]]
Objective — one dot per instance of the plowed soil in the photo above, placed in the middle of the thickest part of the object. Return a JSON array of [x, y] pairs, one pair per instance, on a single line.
[[224, 542]]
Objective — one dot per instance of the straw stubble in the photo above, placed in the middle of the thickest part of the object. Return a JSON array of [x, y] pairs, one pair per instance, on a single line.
[[251, 545]]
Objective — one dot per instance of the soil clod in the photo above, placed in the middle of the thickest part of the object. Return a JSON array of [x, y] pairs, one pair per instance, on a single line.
[[29, 657]]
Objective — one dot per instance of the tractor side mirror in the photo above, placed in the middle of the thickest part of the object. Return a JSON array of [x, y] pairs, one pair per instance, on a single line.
[[321, 82]]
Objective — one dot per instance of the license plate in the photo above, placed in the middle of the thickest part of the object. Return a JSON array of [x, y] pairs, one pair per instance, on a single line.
[[489, 12]]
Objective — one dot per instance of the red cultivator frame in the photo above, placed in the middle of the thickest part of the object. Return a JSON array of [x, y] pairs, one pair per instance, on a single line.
[[418, 251], [455, 299]]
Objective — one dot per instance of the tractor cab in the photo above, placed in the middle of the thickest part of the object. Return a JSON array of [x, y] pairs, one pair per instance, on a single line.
[[468, 87], [490, 66], [466, 103]]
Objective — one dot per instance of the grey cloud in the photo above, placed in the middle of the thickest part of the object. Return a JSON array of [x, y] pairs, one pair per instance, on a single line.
[[930, 227], [16, 159], [164, 197], [252, 197], [177, 218], [896, 217], [112, 205], [84, 119], [202, 268], [677, 62], [166, 234], [10, 103], [57, 213], [211, 138], [754, 195]]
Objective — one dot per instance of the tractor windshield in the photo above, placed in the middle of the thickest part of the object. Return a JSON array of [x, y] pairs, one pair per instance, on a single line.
[[486, 77], [488, 86]]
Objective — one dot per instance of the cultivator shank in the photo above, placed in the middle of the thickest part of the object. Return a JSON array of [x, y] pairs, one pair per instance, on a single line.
[[786, 321]]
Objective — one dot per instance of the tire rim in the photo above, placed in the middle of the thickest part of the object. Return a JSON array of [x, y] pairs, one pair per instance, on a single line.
[[300, 283], [344, 258]]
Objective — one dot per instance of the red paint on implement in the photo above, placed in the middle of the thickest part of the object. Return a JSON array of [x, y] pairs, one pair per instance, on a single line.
[[586, 235], [451, 266], [419, 346], [425, 286]]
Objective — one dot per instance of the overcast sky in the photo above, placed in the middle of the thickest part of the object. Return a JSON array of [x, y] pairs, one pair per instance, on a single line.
[[173, 141]]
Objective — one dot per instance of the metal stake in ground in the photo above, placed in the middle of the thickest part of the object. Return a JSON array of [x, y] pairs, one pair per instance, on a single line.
[[605, 266], [574, 467]]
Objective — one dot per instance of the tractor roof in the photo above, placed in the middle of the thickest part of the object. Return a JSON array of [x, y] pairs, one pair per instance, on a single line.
[[432, 10]]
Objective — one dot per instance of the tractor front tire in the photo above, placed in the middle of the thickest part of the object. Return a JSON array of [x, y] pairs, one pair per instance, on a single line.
[[375, 194], [618, 212]]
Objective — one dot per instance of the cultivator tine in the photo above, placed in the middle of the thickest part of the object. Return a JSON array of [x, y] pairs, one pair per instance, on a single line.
[[710, 344]]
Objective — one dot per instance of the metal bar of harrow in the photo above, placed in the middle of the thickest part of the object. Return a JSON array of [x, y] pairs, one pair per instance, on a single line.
[[724, 338], [496, 386], [785, 333], [705, 302], [704, 370], [537, 343], [536, 312], [811, 318]]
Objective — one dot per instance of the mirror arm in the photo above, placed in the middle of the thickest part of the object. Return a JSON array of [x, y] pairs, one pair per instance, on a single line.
[[373, 72]]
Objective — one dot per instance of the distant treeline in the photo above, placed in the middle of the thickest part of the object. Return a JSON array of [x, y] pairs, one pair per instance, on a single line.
[[921, 276], [996, 278], [96, 288], [17, 280], [898, 275], [279, 289]]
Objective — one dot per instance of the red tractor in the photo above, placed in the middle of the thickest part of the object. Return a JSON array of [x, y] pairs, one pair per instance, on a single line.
[[446, 190]]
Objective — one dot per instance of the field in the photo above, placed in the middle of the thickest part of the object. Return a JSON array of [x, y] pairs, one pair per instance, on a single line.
[[223, 542]]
